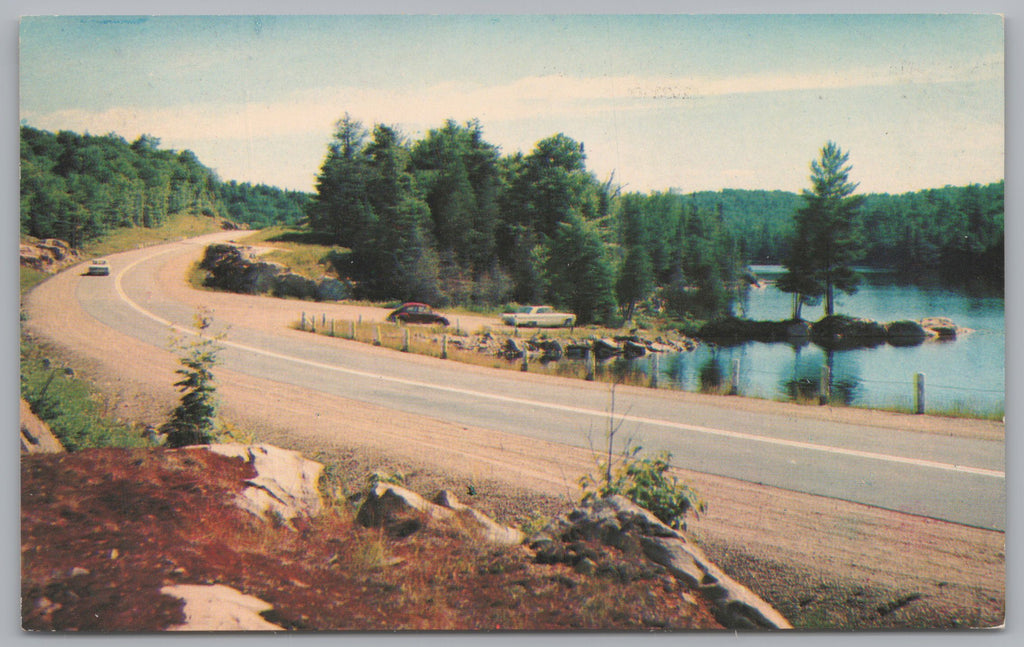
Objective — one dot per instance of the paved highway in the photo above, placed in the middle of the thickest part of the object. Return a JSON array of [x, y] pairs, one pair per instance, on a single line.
[[950, 478]]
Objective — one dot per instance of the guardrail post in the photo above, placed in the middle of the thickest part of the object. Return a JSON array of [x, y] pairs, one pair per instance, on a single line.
[[332, 327], [302, 324], [590, 364], [444, 347], [655, 370], [376, 336], [825, 392], [919, 393], [734, 388], [405, 340], [351, 330], [526, 359]]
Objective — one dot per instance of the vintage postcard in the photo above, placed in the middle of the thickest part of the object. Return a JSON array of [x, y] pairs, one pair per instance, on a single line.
[[505, 323]]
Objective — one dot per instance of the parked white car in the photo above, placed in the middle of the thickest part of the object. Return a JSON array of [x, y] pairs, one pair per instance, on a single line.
[[539, 317]]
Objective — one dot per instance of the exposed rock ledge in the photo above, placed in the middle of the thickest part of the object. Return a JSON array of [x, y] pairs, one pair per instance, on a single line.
[[617, 521], [286, 484], [48, 255]]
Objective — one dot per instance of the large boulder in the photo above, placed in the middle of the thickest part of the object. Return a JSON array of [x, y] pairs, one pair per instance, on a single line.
[[401, 512], [617, 521], [229, 269], [286, 484], [941, 328], [331, 289], [294, 286]]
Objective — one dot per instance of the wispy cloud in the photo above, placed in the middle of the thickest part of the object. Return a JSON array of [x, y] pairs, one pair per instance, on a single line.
[[426, 106]]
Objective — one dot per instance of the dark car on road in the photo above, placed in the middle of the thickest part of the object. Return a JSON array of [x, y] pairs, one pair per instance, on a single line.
[[417, 313]]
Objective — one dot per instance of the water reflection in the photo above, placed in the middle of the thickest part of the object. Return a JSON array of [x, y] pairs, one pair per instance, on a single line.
[[712, 377], [841, 380]]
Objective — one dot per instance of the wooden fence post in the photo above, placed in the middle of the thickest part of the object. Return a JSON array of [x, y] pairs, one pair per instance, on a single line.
[[919, 393]]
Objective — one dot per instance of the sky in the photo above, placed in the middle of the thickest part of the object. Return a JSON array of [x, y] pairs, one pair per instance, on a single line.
[[685, 102]]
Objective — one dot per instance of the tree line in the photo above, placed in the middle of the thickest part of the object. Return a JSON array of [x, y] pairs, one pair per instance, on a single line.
[[449, 219], [952, 233], [79, 187]]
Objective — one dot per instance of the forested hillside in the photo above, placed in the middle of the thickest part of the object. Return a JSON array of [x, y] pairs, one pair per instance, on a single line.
[[448, 219], [79, 187]]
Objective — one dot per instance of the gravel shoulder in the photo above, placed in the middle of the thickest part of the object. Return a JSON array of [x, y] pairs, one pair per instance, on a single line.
[[821, 562]]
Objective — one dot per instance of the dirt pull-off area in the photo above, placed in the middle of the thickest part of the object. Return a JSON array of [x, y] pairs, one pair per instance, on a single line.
[[822, 563]]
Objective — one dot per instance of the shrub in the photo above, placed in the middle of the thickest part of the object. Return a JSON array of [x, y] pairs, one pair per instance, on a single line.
[[645, 482]]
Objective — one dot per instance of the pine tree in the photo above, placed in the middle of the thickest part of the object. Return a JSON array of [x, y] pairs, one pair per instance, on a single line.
[[826, 242], [192, 421]]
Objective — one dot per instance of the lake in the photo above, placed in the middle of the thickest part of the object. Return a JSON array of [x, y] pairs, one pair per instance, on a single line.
[[963, 376]]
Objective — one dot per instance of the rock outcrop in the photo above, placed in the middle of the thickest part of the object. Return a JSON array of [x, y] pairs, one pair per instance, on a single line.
[[36, 436], [402, 512], [616, 521], [48, 255], [231, 268], [286, 484], [942, 328]]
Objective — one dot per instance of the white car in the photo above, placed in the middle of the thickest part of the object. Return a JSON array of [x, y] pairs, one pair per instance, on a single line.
[[98, 267], [539, 317]]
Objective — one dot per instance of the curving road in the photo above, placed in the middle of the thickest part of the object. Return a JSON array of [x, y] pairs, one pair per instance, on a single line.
[[885, 462]]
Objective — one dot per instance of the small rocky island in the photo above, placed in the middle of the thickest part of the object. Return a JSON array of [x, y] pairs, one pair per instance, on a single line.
[[837, 332]]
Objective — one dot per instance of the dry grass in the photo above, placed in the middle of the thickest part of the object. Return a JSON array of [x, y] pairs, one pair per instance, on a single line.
[[177, 227]]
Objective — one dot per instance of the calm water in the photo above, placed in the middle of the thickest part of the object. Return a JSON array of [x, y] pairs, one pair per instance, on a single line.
[[962, 375]]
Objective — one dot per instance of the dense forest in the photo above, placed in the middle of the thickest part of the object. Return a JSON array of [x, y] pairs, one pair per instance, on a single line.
[[79, 187], [449, 219]]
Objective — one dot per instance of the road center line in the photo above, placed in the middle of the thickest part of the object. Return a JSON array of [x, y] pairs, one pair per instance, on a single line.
[[724, 433]]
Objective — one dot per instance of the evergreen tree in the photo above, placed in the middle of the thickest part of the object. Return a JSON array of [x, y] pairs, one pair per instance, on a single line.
[[826, 242], [636, 275], [192, 421], [580, 274]]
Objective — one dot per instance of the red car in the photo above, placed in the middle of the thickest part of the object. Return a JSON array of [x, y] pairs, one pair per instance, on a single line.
[[417, 313]]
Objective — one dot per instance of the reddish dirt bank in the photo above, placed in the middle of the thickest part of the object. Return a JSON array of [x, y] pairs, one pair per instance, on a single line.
[[821, 562]]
